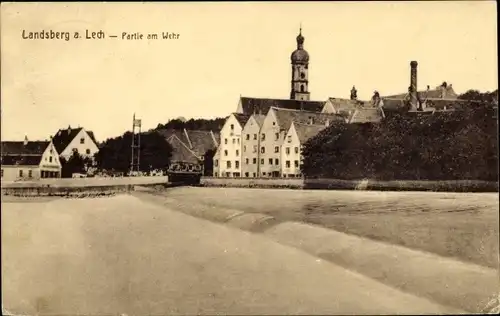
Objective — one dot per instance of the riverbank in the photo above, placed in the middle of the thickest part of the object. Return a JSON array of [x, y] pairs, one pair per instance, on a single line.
[[364, 184]]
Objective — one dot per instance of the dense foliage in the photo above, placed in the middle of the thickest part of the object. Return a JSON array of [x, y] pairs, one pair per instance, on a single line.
[[194, 124], [75, 164], [444, 146], [115, 153], [476, 95]]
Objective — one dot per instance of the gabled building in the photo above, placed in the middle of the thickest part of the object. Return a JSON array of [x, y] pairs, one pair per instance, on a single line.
[[250, 148], [227, 160], [291, 150], [273, 132], [189, 148], [29, 160], [78, 140]]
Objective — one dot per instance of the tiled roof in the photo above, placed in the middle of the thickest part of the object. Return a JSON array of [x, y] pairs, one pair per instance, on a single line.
[[64, 136], [13, 160], [242, 118], [439, 93], [367, 115], [18, 148], [285, 117], [168, 133], [201, 141], [345, 105], [259, 118], [307, 131], [181, 153], [17, 153], [262, 105]]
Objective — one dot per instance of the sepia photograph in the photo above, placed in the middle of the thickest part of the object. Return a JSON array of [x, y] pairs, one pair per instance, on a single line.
[[249, 158]]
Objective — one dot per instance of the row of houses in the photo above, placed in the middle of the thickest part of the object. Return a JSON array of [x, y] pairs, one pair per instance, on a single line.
[[32, 160]]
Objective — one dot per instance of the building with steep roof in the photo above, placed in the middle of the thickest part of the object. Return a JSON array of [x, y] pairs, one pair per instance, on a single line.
[[189, 147], [291, 149], [250, 145], [29, 160], [273, 131], [70, 140]]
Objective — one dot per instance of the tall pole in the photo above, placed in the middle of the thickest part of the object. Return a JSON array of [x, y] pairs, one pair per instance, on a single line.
[[136, 145]]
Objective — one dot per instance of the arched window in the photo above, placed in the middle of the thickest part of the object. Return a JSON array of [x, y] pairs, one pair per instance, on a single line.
[[302, 88]]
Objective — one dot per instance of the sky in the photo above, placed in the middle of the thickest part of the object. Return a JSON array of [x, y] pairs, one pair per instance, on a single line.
[[224, 51]]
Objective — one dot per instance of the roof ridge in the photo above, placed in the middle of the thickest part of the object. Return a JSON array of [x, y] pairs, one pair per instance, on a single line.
[[187, 137], [294, 110], [279, 99], [186, 146]]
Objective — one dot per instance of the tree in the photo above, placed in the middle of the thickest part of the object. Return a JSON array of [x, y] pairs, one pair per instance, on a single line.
[[75, 164], [115, 153]]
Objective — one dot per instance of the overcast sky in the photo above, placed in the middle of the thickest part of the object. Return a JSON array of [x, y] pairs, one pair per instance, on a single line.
[[226, 50]]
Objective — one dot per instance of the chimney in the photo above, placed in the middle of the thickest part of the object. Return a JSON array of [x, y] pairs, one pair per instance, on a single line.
[[413, 85], [25, 140], [69, 129]]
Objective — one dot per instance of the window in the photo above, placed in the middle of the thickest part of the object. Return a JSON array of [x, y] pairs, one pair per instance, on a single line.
[[216, 163], [254, 174], [238, 140], [50, 159], [51, 151], [302, 89], [20, 173], [236, 164], [262, 161], [234, 140], [288, 150], [228, 164], [2, 173], [302, 75], [276, 149], [290, 138], [277, 136], [254, 161], [296, 163], [82, 140], [270, 161], [255, 136], [75, 150], [274, 123], [237, 152], [245, 149], [288, 163], [263, 137], [276, 162], [263, 173], [254, 148], [225, 141], [248, 136], [232, 127], [296, 150], [247, 161], [263, 150], [246, 174], [30, 173], [225, 152], [87, 151]]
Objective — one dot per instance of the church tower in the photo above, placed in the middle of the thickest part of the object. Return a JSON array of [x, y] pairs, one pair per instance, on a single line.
[[300, 76]]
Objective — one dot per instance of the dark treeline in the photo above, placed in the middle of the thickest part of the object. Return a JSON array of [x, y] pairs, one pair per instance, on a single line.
[[115, 153], [444, 146], [194, 124], [476, 95]]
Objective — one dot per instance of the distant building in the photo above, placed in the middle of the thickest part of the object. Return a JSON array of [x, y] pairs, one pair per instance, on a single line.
[[189, 148], [78, 140], [250, 146], [291, 150], [29, 160], [227, 159], [273, 132]]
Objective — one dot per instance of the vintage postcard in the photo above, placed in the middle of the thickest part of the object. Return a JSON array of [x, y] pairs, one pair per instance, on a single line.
[[249, 158]]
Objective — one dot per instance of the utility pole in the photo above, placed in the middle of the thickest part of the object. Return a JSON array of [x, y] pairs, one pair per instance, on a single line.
[[136, 145]]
